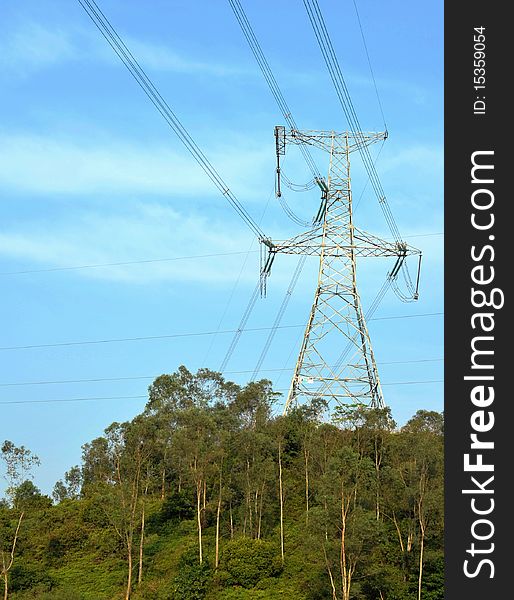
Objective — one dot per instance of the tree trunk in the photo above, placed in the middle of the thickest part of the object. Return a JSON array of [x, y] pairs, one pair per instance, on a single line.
[[421, 551], [325, 506], [281, 501], [331, 577], [378, 462], [141, 543], [346, 569], [6, 567], [163, 474], [256, 511], [400, 539], [248, 500], [420, 578], [218, 513], [260, 513], [199, 519], [422, 524], [163, 483], [342, 557], [306, 457], [129, 574]]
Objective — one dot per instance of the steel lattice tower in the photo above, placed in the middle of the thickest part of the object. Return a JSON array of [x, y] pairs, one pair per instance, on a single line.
[[336, 324]]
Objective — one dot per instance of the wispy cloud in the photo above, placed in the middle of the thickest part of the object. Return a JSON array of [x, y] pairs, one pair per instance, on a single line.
[[418, 156], [142, 231], [33, 47], [158, 57], [45, 165], [392, 86]]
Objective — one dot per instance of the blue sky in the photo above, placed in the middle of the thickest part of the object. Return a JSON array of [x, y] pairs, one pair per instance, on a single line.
[[90, 175]]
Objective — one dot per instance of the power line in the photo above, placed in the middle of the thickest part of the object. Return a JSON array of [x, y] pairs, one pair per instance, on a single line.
[[142, 79], [96, 398], [124, 263], [158, 260], [71, 399], [327, 50], [280, 314], [131, 339], [267, 72], [242, 325], [414, 382], [424, 234], [189, 334], [256, 49], [142, 377], [91, 380], [369, 63], [234, 287]]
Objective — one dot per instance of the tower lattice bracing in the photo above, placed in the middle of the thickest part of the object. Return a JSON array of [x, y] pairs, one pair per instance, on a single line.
[[336, 361]]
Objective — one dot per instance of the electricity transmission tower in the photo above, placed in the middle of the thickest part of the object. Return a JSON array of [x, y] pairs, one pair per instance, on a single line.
[[336, 324]]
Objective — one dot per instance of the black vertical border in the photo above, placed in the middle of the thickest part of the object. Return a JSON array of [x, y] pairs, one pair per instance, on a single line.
[[466, 132]]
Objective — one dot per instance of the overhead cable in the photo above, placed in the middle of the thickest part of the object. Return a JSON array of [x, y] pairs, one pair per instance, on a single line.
[[369, 64], [280, 314], [137, 72], [325, 43], [141, 377], [96, 398], [190, 333], [265, 68], [126, 262], [242, 326], [157, 260], [256, 49]]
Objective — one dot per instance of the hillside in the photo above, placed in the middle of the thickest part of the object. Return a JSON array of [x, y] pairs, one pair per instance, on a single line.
[[207, 495]]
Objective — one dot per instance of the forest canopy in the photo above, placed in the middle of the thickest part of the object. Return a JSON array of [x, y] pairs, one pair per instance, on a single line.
[[209, 494]]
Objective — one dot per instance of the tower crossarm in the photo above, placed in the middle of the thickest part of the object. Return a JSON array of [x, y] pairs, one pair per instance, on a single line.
[[331, 141], [316, 242]]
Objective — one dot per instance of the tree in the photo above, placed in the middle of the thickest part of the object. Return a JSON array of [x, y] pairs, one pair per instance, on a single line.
[[426, 421], [115, 470], [374, 427], [129, 453], [305, 419], [70, 488], [193, 442], [347, 527], [18, 461], [418, 468]]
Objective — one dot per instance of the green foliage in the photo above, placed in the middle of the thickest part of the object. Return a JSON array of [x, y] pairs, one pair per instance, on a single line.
[[19, 462], [201, 466], [248, 561], [37, 593], [27, 576], [433, 582], [27, 496], [55, 549], [70, 488], [426, 421], [177, 507], [192, 581]]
